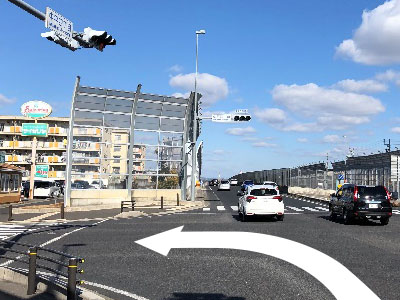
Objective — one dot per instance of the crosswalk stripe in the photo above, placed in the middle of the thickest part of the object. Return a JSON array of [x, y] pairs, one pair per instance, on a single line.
[[309, 208], [234, 208], [396, 211], [322, 208], [220, 207], [206, 209], [294, 208], [7, 231]]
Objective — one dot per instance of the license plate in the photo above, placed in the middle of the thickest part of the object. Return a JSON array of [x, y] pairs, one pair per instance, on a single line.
[[373, 206]]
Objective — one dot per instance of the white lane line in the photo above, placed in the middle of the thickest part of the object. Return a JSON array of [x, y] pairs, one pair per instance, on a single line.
[[234, 208], [296, 213], [396, 211], [294, 208], [322, 208], [220, 207], [206, 209], [114, 290], [309, 208]]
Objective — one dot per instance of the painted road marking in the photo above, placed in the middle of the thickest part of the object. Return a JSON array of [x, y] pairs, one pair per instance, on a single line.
[[7, 231], [396, 211], [309, 208], [220, 207], [322, 208], [294, 208], [234, 208], [206, 209]]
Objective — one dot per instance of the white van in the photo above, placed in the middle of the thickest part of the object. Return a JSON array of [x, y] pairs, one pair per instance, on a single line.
[[46, 188]]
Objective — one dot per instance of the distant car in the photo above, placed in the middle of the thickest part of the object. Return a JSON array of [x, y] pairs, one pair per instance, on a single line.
[[246, 183], [234, 181], [271, 184], [213, 182], [261, 200], [224, 185], [361, 202]]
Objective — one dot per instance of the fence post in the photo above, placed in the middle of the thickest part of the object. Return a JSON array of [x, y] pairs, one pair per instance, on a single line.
[[71, 288], [162, 202], [177, 199], [10, 218], [32, 271], [62, 211], [122, 206]]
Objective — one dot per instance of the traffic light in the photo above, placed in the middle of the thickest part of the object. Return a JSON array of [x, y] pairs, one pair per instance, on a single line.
[[97, 39], [239, 118]]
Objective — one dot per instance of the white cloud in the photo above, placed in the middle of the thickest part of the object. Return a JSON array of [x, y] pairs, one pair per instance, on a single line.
[[263, 144], [271, 115], [332, 138], [361, 86], [175, 69], [377, 40], [302, 140], [5, 100], [396, 129], [323, 105], [219, 152], [212, 88], [388, 75], [240, 130]]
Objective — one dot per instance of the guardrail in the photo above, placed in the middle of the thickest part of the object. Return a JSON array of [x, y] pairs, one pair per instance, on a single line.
[[31, 256]]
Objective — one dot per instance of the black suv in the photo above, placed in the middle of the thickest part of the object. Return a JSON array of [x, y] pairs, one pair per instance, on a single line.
[[361, 202]]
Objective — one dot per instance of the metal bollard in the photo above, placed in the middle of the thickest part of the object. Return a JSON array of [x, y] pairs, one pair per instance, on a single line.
[[71, 287], [62, 211], [177, 199], [133, 205], [32, 271], [122, 206], [10, 218], [162, 202]]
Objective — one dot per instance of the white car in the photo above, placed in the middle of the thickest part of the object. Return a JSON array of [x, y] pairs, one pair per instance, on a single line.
[[224, 185], [262, 200], [234, 181]]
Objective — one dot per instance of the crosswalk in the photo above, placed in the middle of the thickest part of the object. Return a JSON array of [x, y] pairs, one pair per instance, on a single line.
[[303, 209], [7, 231]]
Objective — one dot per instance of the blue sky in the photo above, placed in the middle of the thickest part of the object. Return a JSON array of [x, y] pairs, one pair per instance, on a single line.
[[310, 72]]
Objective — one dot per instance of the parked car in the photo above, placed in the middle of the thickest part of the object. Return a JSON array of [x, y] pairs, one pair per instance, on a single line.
[[260, 200], [361, 202], [81, 185], [213, 182], [246, 183], [224, 185], [234, 181]]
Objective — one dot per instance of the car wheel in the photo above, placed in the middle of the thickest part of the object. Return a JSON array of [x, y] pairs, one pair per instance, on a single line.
[[346, 217], [384, 221], [279, 217], [332, 215]]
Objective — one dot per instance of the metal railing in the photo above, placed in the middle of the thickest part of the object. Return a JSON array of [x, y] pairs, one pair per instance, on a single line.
[[31, 257]]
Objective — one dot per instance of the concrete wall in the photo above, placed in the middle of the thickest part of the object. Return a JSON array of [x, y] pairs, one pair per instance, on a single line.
[[113, 198], [308, 192]]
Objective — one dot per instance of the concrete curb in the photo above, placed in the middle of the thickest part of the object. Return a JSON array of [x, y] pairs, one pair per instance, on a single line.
[[47, 284]]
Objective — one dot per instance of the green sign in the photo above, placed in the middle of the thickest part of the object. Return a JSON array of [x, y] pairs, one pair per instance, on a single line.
[[35, 129], [42, 171]]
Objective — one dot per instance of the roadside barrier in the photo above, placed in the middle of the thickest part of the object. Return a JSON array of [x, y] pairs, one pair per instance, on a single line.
[[127, 204], [10, 218], [33, 257]]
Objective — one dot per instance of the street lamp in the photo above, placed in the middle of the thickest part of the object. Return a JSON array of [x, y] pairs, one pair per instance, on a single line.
[[193, 185]]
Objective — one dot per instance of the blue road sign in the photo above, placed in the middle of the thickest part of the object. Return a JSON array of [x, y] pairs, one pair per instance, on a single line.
[[340, 177]]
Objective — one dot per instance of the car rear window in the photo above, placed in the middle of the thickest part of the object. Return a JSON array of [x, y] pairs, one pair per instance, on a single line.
[[371, 191], [224, 181], [263, 192], [248, 182]]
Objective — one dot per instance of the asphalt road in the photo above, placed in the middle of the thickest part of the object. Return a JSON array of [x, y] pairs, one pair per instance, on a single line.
[[113, 259]]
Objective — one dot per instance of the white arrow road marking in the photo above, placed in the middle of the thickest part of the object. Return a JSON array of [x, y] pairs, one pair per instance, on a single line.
[[337, 278]]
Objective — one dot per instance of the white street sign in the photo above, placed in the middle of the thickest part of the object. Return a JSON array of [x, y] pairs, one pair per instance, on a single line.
[[342, 283], [222, 118], [59, 24]]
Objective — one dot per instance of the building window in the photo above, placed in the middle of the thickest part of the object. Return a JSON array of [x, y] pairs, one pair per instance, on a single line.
[[117, 148], [116, 170], [118, 157], [5, 181], [117, 137]]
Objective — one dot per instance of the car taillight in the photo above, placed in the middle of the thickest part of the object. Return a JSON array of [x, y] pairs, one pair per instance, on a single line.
[[249, 198], [356, 195], [278, 197]]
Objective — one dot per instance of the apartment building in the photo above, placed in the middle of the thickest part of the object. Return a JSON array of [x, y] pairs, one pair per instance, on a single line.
[[95, 151]]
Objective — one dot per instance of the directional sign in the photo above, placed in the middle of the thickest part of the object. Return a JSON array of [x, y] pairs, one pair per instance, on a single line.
[[59, 24], [42, 171], [241, 111], [342, 283], [35, 129], [340, 177], [225, 118]]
